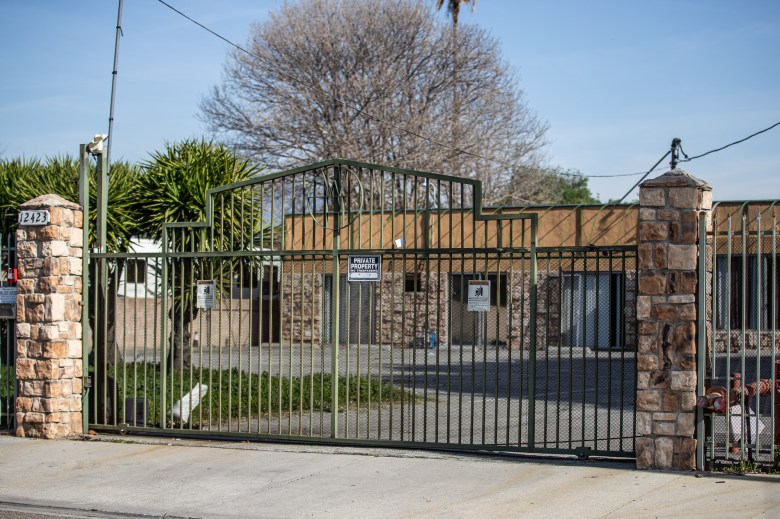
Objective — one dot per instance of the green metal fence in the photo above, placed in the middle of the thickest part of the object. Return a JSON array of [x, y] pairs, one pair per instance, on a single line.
[[346, 302], [738, 308], [8, 278]]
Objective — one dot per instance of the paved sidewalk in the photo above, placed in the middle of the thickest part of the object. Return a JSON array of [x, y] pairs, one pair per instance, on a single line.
[[214, 479]]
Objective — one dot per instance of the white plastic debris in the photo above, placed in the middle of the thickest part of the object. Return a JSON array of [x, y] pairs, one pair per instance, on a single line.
[[181, 409]]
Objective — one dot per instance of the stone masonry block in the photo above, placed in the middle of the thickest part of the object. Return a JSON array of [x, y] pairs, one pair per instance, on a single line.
[[23, 330], [652, 197], [687, 312], [663, 428], [55, 307], [647, 362], [48, 233], [645, 253], [664, 452], [685, 425], [55, 349], [76, 238], [653, 231], [670, 402], [652, 283], [684, 197], [687, 401], [643, 307], [688, 454], [660, 256], [647, 344], [25, 286], [644, 424], [689, 227], [682, 257], [645, 452], [52, 389], [74, 348], [646, 214], [648, 400], [54, 249], [683, 381], [27, 249], [665, 313], [25, 369], [648, 328], [706, 199]]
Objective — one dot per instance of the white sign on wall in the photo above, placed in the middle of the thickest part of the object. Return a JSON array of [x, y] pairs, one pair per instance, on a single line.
[[7, 295], [35, 217], [206, 297], [366, 267], [479, 296]]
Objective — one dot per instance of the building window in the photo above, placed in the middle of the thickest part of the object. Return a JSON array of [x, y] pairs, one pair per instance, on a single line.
[[744, 284], [413, 283], [592, 309], [135, 271]]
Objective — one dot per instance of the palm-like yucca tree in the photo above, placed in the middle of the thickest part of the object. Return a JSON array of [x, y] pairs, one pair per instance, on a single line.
[[174, 183], [22, 180], [453, 7]]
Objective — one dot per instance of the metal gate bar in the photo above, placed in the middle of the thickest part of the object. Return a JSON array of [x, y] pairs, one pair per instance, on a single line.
[[8, 388]]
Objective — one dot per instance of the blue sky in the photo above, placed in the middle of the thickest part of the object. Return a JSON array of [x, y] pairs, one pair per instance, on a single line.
[[615, 80]]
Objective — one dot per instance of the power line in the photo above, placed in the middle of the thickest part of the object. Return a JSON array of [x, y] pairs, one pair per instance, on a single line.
[[688, 159], [443, 144], [332, 96], [655, 166], [368, 114], [582, 175]]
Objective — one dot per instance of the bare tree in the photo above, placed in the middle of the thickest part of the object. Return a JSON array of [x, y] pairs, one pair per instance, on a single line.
[[371, 80]]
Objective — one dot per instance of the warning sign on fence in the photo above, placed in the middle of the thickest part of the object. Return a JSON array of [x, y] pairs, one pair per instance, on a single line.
[[479, 296], [366, 267], [206, 296]]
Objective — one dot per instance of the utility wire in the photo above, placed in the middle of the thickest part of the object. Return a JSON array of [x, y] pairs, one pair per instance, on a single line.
[[688, 159], [645, 175], [443, 144], [368, 114], [321, 91], [582, 175]]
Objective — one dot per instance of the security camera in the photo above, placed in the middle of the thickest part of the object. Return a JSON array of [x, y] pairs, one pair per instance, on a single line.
[[96, 146]]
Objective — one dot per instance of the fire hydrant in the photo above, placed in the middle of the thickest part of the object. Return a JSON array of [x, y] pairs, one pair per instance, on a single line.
[[714, 400]]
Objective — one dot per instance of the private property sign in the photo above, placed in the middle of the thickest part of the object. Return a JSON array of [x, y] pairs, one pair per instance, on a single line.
[[366, 267]]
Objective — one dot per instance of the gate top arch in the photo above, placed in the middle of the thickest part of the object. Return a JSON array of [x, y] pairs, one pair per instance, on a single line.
[[361, 205]]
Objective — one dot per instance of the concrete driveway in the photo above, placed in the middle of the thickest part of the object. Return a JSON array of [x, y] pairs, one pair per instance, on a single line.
[[169, 477]]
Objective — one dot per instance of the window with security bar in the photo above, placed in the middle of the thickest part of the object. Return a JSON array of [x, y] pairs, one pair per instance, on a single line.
[[744, 284], [592, 310], [135, 271]]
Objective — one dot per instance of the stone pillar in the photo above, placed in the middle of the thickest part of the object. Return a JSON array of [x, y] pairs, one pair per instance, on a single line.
[[48, 325], [670, 208]]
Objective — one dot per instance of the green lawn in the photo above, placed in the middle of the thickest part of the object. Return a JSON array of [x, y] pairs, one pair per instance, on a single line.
[[233, 393]]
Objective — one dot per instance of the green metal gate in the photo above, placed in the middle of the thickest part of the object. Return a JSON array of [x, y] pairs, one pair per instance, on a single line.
[[8, 278], [739, 311], [348, 302]]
